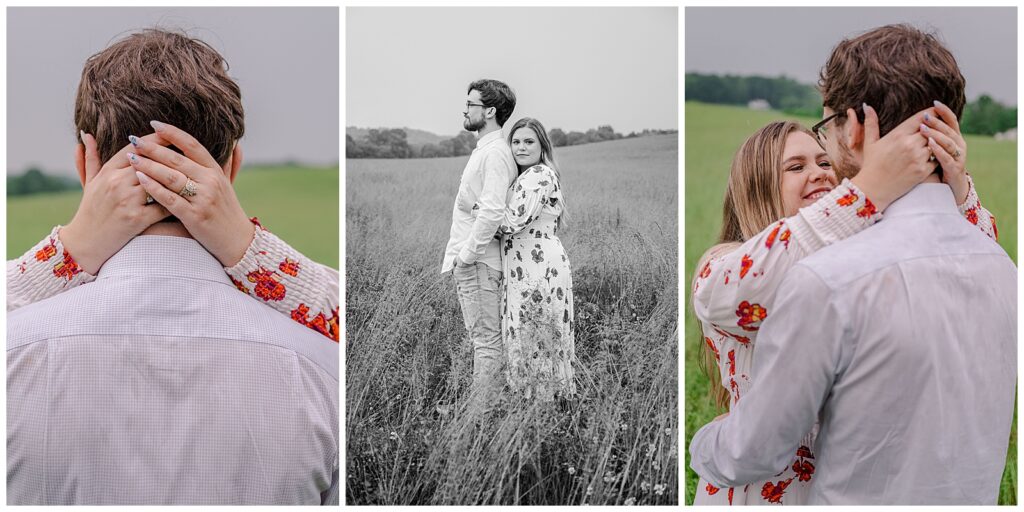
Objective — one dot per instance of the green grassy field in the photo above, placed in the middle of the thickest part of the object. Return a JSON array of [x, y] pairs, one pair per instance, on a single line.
[[713, 135], [298, 204], [616, 443]]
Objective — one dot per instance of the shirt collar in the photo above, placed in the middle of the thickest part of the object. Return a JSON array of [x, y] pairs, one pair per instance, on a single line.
[[489, 138], [172, 257], [924, 198]]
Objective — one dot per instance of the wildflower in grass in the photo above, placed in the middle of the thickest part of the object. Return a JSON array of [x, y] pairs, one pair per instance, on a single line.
[[572, 470], [645, 486], [659, 489], [393, 436], [590, 490], [630, 501]]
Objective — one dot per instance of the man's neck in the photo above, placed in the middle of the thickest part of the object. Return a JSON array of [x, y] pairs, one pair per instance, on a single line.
[[933, 178], [173, 228], [489, 128]]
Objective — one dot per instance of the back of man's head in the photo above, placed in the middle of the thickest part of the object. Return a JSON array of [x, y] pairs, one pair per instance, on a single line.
[[159, 75], [896, 69]]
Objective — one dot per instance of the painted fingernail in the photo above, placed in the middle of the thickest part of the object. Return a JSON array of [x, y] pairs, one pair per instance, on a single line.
[[142, 178], [924, 128], [157, 125], [81, 133], [135, 140], [938, 103], [927, 117], [133, 158]]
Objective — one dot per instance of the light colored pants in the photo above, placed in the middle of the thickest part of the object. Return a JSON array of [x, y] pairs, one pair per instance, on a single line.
[[479, 289]]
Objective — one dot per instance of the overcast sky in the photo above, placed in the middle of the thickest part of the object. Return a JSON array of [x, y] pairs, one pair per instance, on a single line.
[[284, 59], [796, 41], [571, 67]]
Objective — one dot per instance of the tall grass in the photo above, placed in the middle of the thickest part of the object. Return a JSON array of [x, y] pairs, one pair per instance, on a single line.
[[713, 135], [409, 361]]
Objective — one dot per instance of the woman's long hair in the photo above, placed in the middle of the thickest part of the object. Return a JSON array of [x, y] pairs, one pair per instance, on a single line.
[[753, 201], [547, 154]]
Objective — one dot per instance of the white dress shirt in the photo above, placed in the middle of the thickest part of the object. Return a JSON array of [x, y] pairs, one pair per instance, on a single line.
[[901, 342], [480, 204], [161, 383]]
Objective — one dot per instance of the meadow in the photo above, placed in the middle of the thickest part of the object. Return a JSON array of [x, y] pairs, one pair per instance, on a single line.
[[409, 360], [298, 204], [712, 136]]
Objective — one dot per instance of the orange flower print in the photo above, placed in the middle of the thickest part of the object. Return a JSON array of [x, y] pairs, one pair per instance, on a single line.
[[972, 215], [848, 199], [803, 470], [319, 324], [240, 285], [290, 267], [773, 492], [742, 339], [745, 265], [267, 286], [67, 268], [333, 326], [995, 232], [712, 490], [712, 346], [299, 313], [705, 271], [735, 388], [22, 267], [750, 315], [48, 251], [730, 495], [732, 362], [771, 236], [784, 238], [256, 221], [804, 452], [867, 210]]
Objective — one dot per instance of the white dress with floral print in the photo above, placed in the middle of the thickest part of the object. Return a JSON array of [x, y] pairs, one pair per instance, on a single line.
[[537, 305], [734, 291]]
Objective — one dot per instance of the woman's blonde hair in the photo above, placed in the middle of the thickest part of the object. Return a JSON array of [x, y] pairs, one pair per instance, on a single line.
[[753, 201]]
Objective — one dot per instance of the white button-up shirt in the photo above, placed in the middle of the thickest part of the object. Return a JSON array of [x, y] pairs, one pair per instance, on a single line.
[[902, 342], [161, 383], [480, 204]]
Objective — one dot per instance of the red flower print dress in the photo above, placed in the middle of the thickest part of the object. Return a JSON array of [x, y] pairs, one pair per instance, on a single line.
[[733, 293], [271, 272], [537, 304]]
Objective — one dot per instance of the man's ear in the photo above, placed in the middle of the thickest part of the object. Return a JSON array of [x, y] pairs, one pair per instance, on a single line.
[[854, 131], [235, 162], [80, 162]]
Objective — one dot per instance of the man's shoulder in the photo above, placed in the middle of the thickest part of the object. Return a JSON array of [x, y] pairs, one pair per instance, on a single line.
[[206, 311], [894, 241]]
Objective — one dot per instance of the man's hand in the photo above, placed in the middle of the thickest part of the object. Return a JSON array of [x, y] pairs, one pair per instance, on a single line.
[[113, 208], [896, 163]]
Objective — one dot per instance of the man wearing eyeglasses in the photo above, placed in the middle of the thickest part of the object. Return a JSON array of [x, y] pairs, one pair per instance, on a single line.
[[472, 253], [899, 342]]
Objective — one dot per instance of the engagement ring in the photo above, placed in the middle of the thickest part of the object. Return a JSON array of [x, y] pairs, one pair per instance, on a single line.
[[189, 189]]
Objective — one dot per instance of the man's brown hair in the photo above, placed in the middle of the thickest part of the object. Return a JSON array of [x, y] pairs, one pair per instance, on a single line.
[[164, 76], [897, 69]]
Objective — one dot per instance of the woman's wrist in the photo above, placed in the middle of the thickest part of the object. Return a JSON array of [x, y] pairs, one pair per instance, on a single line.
[[877, 191], [80, 249], [239, 242]]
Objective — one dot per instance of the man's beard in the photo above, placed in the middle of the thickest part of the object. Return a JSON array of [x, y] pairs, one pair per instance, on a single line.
[[844, 165], [472, 126]]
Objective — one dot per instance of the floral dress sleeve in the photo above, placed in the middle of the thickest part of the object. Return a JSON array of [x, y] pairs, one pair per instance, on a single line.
[[976, 214], [44, 271], [531, 192], [734, 290], [283, 278]]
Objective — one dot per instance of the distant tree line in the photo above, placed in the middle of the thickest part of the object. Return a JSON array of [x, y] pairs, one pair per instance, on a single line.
[[393, 143], [983, 116], [34, 181]]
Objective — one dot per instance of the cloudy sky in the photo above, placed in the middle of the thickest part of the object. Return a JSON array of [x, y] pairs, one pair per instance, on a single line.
[[284, 59], [796, 41], [571, 67]]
